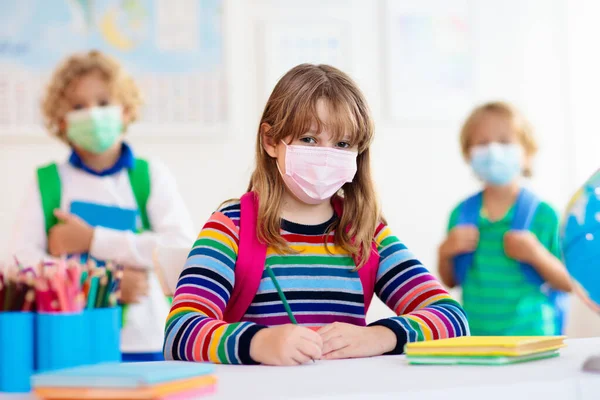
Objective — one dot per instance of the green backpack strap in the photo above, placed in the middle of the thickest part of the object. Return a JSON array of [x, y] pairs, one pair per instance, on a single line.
[[50, 192], [139, 176]]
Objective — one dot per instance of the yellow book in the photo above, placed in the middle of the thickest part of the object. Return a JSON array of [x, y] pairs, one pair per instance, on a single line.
[[486, 346]]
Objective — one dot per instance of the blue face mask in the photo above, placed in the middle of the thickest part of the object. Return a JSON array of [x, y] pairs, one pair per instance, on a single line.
[[497, 164]]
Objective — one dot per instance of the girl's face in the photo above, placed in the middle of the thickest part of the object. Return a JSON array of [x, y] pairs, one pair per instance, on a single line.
[[310, 139], [315, 165]]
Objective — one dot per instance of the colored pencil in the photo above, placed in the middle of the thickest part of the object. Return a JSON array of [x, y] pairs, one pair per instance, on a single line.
[[19, 296], [91, 300], [58, 286], [2, 289], [29, 300], [9, 295], [101, 290], [109, 274]]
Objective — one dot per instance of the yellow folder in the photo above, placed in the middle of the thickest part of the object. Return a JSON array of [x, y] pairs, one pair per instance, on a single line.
[[486, 346]]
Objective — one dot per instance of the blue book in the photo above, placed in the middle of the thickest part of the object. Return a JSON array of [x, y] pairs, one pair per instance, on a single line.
[[122, 375], [122, 219]]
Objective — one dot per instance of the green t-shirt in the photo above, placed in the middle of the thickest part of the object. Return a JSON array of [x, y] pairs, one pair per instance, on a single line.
[[497, 298]]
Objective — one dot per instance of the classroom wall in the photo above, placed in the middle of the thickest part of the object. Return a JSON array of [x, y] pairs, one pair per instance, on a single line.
[[519, 50]]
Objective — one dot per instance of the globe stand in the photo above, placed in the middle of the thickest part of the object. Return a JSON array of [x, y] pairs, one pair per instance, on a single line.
[[592, 364]]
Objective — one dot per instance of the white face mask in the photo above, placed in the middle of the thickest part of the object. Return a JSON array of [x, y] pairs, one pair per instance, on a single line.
[[315, 174]]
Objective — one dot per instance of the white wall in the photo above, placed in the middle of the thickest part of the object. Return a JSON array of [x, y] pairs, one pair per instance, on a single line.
[[520, 55]]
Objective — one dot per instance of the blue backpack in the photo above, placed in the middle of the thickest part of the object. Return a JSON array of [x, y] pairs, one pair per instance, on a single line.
[[526, 206]]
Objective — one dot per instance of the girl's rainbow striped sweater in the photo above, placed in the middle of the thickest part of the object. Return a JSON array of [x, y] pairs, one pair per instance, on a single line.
[[318, 283]]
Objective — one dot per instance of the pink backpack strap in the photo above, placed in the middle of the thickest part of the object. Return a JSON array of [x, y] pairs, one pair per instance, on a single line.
[[368, 272], [250, 263], [368, 275]]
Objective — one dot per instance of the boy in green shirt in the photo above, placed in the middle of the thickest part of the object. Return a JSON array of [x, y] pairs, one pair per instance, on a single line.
[[498, 295]]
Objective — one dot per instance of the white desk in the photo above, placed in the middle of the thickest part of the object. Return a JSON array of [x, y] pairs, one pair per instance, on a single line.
[[391, 378]]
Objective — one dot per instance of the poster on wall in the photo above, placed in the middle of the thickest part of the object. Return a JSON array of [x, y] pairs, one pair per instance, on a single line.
[[173, 49], [285, 44], [429, 59]]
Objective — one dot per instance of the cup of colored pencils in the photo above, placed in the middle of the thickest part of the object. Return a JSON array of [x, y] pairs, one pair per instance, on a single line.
[[78, 319], [17, 300]]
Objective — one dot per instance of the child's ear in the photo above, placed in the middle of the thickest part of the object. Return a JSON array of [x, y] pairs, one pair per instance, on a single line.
[[267, 140], [62, 125], [126, 116], [527, 166]]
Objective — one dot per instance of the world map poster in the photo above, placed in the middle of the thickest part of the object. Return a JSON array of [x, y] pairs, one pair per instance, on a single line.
[[173, 49]]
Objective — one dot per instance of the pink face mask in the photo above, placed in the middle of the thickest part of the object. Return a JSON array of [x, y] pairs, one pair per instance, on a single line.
[[314, 174]]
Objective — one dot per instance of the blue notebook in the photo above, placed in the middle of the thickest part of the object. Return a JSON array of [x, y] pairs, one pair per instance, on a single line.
[[122, 375], [122, 219]]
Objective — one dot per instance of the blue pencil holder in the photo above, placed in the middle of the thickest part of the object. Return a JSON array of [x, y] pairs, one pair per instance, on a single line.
[[62, 341], [16, 351], [104, 333]]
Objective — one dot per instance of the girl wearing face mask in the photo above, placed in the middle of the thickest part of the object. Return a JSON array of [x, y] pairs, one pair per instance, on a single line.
[[502, 246], [104, 202], [284, 275]]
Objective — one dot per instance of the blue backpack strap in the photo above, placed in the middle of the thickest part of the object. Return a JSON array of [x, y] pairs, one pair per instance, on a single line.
[[468, 215], [526, 207]]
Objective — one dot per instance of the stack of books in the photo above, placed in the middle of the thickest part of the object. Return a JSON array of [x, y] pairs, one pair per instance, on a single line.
[[484, 350], [166, 380]]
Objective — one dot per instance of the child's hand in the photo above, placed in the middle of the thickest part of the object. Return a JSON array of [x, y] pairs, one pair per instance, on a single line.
[[522, 246], [286, 345], [134, 285], [71, 235], [341, 340], [462, 239]]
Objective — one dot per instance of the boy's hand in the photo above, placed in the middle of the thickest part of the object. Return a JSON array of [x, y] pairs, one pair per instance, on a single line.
[[341, 340], [71, 235], [286, 345], [522, 246], [134, 285], [461, 239]]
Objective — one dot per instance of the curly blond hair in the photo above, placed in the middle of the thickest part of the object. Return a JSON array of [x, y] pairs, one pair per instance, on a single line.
[[522, 126], [123, 89]]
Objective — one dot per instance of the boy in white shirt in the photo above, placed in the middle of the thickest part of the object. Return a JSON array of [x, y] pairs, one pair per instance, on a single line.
[[104, 202]]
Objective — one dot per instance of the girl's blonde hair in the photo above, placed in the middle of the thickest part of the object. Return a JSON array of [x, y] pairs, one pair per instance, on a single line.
[[55, 105], [520, 124], [290, 112]]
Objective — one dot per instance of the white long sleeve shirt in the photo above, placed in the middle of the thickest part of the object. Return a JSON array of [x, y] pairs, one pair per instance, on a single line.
[[171, 224]]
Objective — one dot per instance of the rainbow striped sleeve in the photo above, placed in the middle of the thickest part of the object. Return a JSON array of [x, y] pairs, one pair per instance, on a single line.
[[195, 330], [425, 309]]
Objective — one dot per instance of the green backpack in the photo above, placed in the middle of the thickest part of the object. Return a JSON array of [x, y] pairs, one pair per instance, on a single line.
[[50, 191]]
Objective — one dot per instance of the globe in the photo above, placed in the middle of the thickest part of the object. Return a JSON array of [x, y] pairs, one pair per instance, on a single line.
[[580, 244]]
